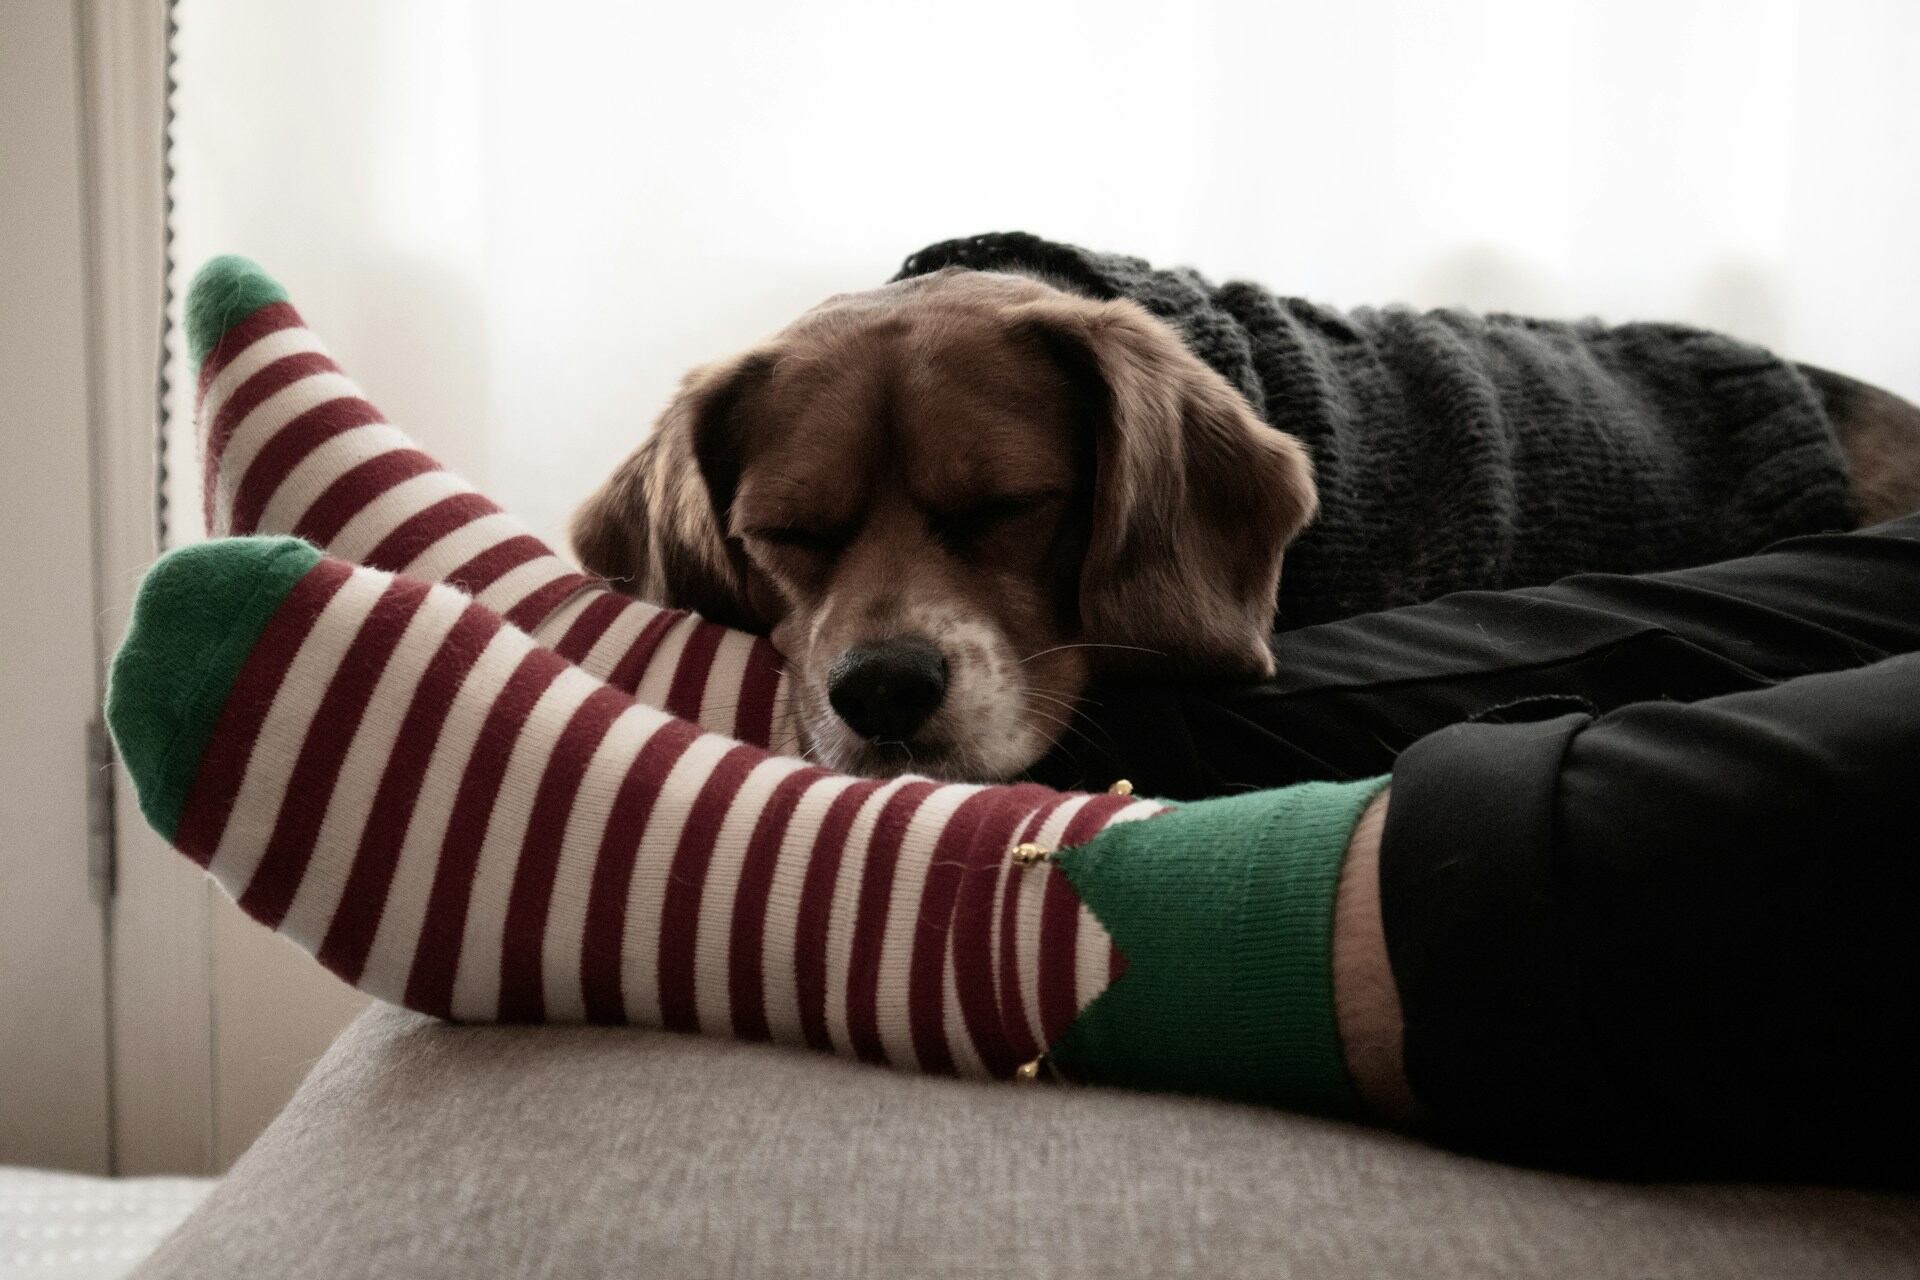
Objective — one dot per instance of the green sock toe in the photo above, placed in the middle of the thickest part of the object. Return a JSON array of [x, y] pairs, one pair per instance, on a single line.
[[224, 292], [195, 620]]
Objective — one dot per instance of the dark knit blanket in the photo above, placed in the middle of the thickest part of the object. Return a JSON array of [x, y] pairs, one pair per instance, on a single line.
[[1456, 451]]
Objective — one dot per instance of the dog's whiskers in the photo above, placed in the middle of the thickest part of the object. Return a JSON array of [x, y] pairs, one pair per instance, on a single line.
[[1158, 653], [1059, 722], [1074, 712], [900, 743], [1066, 704]]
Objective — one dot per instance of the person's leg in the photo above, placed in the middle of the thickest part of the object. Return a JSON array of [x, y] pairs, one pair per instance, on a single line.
[[1672, 939], [453, 817], [290, 445], [1351, 695]]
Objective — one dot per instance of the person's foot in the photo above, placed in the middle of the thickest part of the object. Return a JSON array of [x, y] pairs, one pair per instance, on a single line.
[[455, 818]]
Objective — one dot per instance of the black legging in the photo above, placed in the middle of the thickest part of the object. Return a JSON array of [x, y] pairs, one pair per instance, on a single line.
[[1651, 873]]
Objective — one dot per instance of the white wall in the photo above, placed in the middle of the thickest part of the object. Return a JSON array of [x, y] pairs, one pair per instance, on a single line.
[[521, 223]]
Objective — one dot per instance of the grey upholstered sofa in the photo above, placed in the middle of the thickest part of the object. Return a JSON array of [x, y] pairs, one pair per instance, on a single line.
[[418, 1149]]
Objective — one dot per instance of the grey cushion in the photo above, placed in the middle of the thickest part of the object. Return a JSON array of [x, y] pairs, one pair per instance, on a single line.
[[417, 1149]]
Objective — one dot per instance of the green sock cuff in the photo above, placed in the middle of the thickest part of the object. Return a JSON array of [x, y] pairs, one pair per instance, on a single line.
[[1224, 912], [198, 614], [223, 293]]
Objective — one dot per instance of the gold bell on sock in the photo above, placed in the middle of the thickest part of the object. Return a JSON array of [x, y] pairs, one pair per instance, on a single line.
[[1121, 787], [1027, 853], [1028, 1072]]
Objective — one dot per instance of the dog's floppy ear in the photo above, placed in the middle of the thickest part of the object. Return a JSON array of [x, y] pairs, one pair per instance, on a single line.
[[656, 528], [1195, 498]]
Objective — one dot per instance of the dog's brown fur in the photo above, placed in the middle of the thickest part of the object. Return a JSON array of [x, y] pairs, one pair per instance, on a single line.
[[1879, 435], [1046, 487]]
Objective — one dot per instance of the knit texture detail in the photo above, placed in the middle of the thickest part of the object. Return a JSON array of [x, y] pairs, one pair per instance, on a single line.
[[1224, 912], [223, 293], [200, 610], [1456, 451]]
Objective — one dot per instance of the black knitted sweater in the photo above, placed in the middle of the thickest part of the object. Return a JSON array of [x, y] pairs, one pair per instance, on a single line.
[[1456, 451]]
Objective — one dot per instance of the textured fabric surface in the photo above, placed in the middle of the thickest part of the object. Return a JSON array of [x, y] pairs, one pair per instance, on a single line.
[[1459, 452], [69, 1226], [423, 1150]]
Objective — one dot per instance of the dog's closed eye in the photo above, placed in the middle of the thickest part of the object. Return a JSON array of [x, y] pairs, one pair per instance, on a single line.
[[801, 555], [961, 529], [822, 542]]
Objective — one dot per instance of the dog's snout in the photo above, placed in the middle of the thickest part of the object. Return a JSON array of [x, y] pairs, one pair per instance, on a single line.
[[886, 691]]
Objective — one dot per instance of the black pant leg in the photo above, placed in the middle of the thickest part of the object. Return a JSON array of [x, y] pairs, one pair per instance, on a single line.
[[1673, 939], [1351, 695]]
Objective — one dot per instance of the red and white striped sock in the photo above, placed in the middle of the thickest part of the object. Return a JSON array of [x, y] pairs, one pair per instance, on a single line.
[[290, 445], [452, 817]]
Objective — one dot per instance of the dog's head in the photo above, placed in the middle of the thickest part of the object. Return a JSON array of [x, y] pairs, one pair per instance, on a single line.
[[952, 502]]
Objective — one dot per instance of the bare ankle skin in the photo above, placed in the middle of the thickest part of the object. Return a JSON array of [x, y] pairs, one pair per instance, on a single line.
[[1365, 1000]]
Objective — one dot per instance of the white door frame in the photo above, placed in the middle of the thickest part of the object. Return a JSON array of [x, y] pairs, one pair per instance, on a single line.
[[158, 972], [55, 1107]]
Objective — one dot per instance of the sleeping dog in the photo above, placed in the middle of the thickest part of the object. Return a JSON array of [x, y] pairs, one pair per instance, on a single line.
[[955, 501]]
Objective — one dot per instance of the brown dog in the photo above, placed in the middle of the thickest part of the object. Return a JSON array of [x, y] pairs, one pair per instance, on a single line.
[[955, 500]]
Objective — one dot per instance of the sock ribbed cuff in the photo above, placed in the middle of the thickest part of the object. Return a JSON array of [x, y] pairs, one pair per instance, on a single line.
[[1224, 912]]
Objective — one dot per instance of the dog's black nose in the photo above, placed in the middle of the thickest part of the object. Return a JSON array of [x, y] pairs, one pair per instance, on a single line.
[[886, 691]]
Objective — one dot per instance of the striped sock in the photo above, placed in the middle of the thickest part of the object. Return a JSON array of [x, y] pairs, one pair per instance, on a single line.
[[452, 817], [290, 445]]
